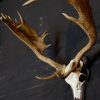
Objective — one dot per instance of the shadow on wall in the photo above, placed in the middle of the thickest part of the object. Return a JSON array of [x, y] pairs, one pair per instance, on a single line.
[[1, 0]]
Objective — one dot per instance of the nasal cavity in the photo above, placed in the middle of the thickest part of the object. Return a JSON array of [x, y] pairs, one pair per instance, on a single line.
[[82, 78]]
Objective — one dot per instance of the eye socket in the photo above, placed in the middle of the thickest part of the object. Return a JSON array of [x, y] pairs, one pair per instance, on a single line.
[[82, 78]]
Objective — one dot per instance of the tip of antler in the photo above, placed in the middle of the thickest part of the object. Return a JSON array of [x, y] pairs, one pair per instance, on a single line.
[[47, 46], [21, 19], [70, 18], [48, 77], [66, 16], [2, 16], [29, 2]]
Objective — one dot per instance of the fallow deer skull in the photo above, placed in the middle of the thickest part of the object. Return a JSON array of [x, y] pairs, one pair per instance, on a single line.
[[77, 80], [72, 71]]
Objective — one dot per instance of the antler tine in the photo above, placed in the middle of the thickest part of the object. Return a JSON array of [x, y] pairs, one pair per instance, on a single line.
[[86, 22], [29, 2], [35, 42]]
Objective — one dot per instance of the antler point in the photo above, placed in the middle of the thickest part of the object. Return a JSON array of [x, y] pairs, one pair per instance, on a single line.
[[3, 16], [21, 19], [28, 2]]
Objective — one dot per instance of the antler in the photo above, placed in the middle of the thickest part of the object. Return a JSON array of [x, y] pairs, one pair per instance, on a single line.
[[36, 43], [28, 2], [86, 22], [30, 37]]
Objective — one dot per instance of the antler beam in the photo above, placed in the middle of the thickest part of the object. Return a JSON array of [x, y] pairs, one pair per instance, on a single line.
[[85, 21]]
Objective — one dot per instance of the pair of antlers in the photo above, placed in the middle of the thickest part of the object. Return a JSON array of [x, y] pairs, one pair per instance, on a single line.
[[37, 43]]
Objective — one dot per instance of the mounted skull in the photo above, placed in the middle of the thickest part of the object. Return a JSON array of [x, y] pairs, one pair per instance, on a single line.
[[77, 81], [72, 71], [76, 84]]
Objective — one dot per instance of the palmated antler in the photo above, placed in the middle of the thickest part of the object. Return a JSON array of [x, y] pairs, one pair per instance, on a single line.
[[36, 43], [86, 22], [30, 37]]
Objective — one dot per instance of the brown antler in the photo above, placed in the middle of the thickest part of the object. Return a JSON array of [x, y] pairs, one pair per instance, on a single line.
[[86, 22], [30, 37]]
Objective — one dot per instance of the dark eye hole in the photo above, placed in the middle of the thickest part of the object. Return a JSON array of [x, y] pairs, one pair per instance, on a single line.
[[82, 78]]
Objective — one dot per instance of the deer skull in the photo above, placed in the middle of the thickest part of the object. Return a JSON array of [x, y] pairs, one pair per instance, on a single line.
[[77, 84], [77, 81]]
